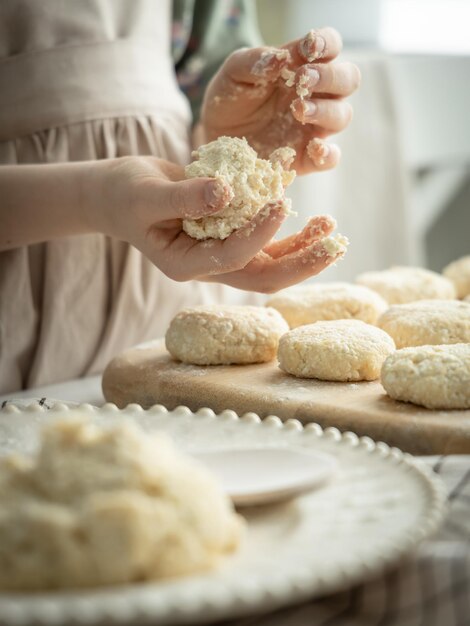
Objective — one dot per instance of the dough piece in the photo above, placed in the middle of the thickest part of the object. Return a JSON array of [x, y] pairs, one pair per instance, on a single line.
[[436, 377], [221, 335], [459, 273], [341, 350], [399, 285], [328, 301], [428, 322], [255, 183], [335, 245], [99, 506], [288, 76]]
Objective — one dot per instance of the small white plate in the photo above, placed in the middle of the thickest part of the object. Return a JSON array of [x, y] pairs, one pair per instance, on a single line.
[[253, 476], [376, 511]]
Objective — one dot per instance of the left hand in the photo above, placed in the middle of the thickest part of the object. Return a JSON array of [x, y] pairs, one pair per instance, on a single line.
[[143, 200], [248, 98], [286, 262]]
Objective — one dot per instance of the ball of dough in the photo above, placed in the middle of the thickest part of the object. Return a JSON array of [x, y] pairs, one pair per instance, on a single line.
[[255, 183], [221, 335], [436, 377], [459, 273], [328, 301], [428, 322], [399, 285], [341, 350], [98, 506]]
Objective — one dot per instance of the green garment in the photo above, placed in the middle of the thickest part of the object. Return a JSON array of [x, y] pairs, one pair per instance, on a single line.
[[204, 33]]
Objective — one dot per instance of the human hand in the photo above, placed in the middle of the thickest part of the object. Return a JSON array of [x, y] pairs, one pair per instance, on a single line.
[[143, 200], [249, 97], [288, 261]]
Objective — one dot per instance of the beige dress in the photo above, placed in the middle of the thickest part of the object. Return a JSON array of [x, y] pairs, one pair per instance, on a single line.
[[86, 80]]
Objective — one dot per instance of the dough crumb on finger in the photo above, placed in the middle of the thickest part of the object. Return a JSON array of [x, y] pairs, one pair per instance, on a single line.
[[335, 245], [288, 76], [318, 151]]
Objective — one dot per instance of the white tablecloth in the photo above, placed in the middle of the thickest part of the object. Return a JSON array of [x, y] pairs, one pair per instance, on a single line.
[[431, 589]]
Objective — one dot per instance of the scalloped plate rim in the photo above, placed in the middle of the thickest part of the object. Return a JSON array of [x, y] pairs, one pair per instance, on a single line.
[[212, 608]]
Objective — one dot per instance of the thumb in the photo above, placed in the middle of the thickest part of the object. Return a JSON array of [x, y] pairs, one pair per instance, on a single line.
[[256, 65], [192, 198]]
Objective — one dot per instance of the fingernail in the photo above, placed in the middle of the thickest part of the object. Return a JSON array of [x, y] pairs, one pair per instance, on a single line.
[[217, 194], [312, 46], [318, 151], [307, 82], [309, 108], [313, 76], [318, 227]]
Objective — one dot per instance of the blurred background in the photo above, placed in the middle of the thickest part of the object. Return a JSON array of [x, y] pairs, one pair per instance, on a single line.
[[402, 190]]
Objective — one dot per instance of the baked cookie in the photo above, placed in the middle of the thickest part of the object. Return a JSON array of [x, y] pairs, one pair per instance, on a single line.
[[328, 301], [436, 377], [399, 285], [428, 322], [222, 335], [255, 183], [99, 506], [459, 273], [341, 350]]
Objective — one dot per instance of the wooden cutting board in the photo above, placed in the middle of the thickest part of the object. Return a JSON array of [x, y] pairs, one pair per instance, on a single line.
[[147, 375]]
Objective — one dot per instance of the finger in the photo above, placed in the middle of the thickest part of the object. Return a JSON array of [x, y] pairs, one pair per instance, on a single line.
[[191, 199], [321, 45], [332, 115], [321, 156], [317, 228], [173, 171], [266, 275], [256, 65], [334, 79], [242, 245], [188, 258]]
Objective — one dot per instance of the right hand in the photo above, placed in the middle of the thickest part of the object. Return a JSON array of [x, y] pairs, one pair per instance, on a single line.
[[143, 200], [248, 97]]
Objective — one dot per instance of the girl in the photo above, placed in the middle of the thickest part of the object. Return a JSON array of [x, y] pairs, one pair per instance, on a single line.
[[94, 131]]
